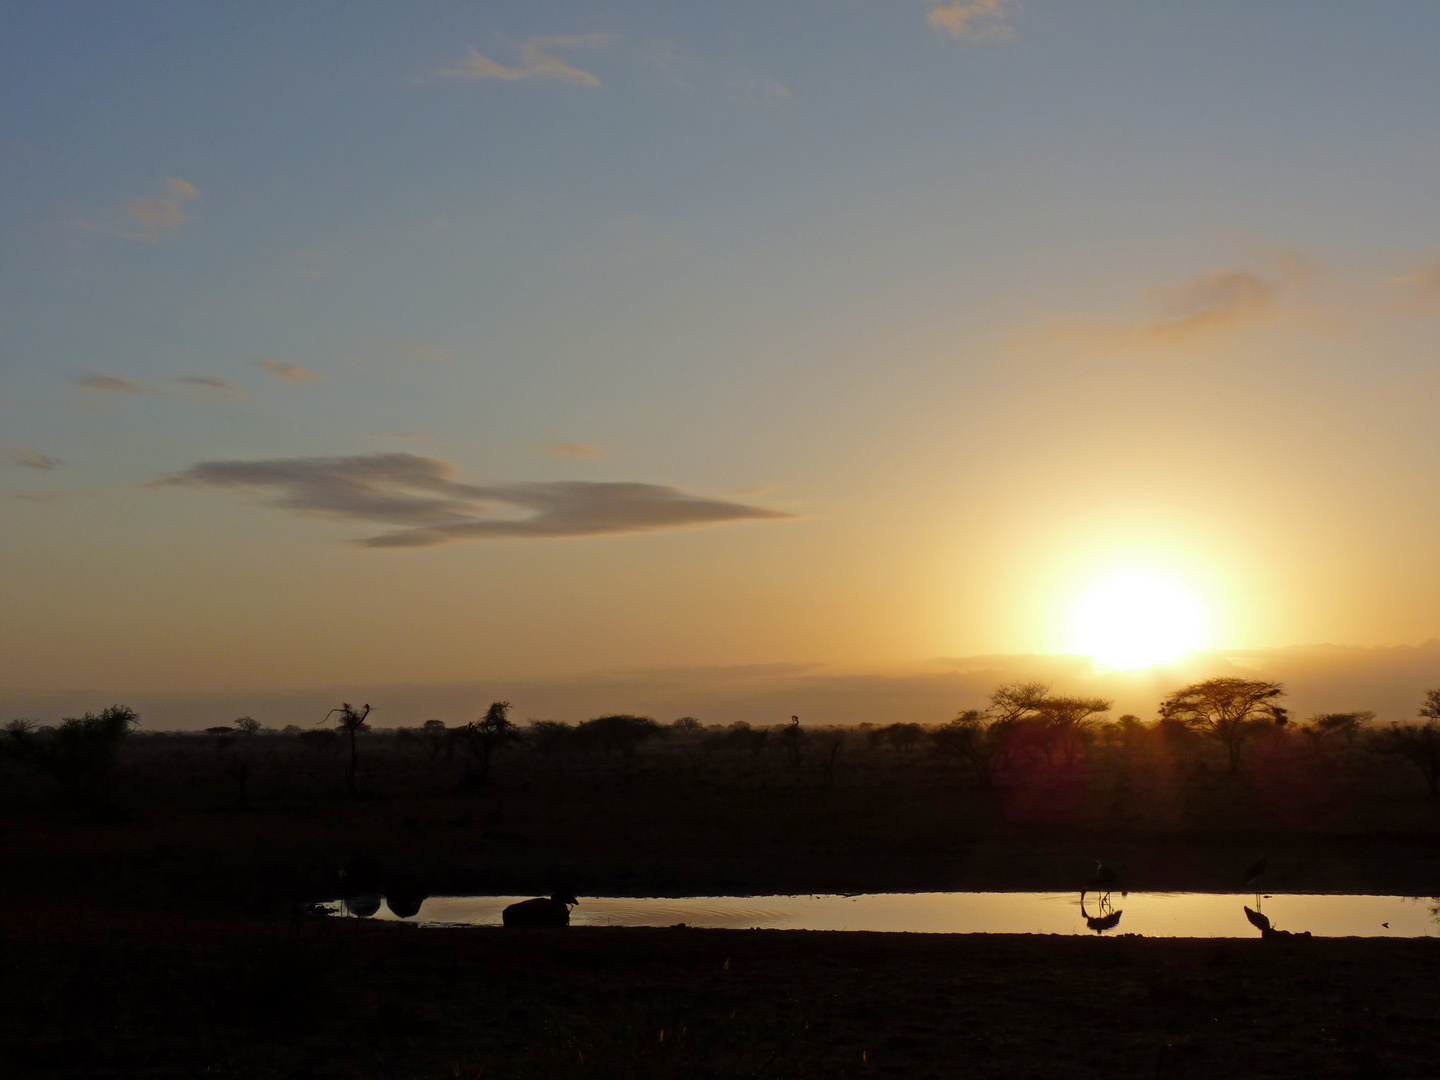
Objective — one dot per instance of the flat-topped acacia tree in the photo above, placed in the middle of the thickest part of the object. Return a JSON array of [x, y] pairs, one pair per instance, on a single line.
[[1229, 710], [352, 722], [1418, 744]]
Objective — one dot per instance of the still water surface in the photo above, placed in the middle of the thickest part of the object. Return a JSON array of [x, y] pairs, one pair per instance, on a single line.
[[1150, 914]]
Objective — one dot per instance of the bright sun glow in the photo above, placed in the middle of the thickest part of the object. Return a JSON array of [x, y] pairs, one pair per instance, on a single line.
[[1137, 619]]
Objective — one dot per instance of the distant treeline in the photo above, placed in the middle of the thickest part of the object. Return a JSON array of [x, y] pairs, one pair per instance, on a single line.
[[1027, 743]]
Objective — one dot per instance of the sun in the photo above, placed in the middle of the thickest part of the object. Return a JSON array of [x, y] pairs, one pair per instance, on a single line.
[[1136, 619]]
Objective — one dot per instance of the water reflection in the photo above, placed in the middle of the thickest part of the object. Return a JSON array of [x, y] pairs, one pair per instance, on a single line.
[[364, 886], [1106, 917], [1146, 914]]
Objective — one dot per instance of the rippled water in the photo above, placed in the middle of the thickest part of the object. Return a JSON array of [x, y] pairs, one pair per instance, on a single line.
[[1150, 914]]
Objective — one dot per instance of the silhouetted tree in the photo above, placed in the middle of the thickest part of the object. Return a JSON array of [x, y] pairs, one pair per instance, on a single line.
[[432, 732], [1324, 729], [352, 723], [247, 725], [686, 725], [621, 732], [481, 738], [80, 754], [973, 739], [791, 738], [1418, 744], [902, 737], [550, 737], [1229, 710]]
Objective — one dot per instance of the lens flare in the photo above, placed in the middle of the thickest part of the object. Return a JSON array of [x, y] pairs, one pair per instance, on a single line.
[[1134, 620]]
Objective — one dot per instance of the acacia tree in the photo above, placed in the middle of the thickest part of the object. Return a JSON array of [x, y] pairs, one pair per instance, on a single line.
[[352, 722], [1418, 744], [481, 738], [80, 754], [1229, 710], [1024, 723]]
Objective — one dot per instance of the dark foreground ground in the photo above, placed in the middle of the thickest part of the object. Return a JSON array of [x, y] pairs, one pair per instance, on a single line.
[[161, 937], [84, 995]]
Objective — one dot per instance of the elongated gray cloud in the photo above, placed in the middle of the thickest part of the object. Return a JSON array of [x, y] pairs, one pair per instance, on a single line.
[[109, 384], [433, 506], [31, 459]]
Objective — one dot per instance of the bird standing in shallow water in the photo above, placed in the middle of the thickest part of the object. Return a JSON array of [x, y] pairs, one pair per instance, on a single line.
[[1256, 871], [1105, 879]]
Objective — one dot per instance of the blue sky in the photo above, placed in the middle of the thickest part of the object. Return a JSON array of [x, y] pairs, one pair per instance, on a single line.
[[974, 300]]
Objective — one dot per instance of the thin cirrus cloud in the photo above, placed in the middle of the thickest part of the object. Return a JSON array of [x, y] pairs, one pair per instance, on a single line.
[[973, 20], [1218, 301], [149, 218], [31, 459], [289, 373], [426, 504], [109, 384], [575, 451], [212, 387], [1422, 289], [536, 61]]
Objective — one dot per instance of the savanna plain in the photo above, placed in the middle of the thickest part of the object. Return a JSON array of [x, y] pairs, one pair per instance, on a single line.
[[160, 888]]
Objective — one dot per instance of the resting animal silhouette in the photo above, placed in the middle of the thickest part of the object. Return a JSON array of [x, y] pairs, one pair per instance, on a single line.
[[542, 911]]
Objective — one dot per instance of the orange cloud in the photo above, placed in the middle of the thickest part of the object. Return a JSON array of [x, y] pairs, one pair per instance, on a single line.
[[31, 459], [290, 373], [1218, 301], [536, 61], [155, 217], [108, 384], [973, 20], [1424, 289], [575, 451]]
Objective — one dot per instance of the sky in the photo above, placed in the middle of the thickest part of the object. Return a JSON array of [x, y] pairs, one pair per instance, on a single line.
[[502, 344]]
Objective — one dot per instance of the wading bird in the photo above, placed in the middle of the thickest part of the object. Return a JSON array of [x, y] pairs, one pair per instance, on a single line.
[[1104, 879], [1257, 870], [542, 911]]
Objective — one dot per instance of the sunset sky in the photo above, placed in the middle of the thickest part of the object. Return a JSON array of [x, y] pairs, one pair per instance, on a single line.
[[381, 344]]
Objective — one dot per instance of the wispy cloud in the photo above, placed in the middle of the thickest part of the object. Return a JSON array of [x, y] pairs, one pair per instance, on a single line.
[[1212, 299], [31, 459], [109, 384], [1422, 289], [419, 350], [536, 61], [150, 217], [289, 373], [575, 451], [1219, 301], [212, 387], [973, 20], [761, 87], [425, 498]]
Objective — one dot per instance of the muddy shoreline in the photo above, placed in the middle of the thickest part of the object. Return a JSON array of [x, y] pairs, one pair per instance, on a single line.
[[123, 993]]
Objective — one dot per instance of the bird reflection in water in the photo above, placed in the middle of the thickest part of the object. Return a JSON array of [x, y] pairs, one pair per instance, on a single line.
[[364, 886], [1262, 923], [1103, 881], [1106, 916]]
